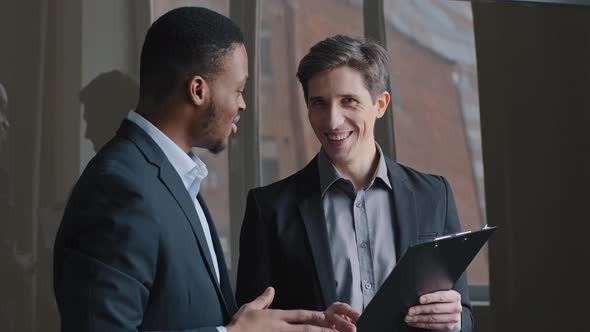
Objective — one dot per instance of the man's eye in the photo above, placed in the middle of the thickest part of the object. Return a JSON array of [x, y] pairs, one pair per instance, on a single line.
[[348, 100]]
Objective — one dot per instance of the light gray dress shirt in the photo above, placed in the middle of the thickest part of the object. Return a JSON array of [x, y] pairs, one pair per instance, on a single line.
[[360, 231]]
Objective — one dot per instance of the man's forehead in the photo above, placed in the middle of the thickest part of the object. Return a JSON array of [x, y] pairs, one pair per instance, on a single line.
[[331, 89], [339, 76], [236, 62]]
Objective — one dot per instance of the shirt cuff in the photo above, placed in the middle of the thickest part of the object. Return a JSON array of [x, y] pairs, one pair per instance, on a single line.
[[221, 329], [456, 329]]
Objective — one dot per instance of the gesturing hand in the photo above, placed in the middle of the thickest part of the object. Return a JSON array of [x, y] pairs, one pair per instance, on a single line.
[[256, 317], [342, 317]]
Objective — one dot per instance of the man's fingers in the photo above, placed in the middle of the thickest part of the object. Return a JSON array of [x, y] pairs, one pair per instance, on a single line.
[[434, 319], [315, 318], [436, 308], [300, 316], [346, 310], [442, 296], [306, 328], [438, 322], [434, 326], [340, 323], [263, 301]]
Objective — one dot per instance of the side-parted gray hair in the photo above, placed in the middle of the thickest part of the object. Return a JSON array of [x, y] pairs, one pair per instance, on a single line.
[[368, 57]]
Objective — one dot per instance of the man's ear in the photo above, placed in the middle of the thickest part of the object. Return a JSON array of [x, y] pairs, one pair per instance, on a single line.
[[198, 90], [382, 103]]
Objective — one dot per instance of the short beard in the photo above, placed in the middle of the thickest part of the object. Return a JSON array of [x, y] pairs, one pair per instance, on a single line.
[[217, 148], [219, 145]]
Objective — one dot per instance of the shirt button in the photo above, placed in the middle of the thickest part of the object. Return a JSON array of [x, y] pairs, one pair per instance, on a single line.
[[368, 286], [358, 204], [364, 245]]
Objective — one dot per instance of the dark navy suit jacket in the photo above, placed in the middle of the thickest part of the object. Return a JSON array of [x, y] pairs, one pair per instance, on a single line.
[[130, 254], [284, 239]]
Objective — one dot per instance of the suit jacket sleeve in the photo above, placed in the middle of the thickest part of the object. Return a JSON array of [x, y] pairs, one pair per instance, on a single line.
[[452, 225], [106, 257], [254, 266]]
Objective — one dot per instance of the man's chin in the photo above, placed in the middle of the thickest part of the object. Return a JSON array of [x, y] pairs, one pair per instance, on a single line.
[[336, 156]]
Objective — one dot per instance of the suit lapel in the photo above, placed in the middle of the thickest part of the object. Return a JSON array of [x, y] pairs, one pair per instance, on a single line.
[[406, 216], [172, 181], [170, 178], [226, 290], [313, 216]]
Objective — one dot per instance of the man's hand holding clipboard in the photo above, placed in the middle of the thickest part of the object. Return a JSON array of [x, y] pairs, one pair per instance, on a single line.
[[418, 292]]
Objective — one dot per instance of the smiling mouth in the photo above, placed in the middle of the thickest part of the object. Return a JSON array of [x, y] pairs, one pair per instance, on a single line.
[[339, 136], [234, 125]]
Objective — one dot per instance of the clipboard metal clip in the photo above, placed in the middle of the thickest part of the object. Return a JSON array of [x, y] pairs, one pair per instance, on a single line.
[[451, 235]]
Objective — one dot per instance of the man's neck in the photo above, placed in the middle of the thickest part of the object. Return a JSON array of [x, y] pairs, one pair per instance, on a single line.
[[361, 170], [166, 124]]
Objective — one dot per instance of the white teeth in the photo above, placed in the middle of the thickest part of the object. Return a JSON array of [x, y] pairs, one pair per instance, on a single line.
[[338, 137]]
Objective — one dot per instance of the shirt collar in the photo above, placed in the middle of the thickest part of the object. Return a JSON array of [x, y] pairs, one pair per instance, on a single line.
[[329, 174], [188, 165]]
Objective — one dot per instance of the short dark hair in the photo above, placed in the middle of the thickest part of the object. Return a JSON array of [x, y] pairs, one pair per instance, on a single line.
[[366, 56], [184, 42]]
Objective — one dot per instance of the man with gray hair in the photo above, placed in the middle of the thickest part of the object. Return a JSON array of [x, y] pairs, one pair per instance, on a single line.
[[328, 236]]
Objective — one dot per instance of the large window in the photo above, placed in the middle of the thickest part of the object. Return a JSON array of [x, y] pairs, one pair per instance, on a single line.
[[71, 76], [287, 30], [435, 102]]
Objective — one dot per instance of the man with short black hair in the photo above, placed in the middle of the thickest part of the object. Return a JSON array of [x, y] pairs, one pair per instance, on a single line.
[[137, 249], [328, 236]]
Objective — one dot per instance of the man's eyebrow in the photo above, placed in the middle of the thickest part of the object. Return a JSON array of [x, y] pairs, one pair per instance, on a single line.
[[349, 95], [316, 98]]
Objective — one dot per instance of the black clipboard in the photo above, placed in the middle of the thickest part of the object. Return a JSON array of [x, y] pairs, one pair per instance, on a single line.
[[424, 268]]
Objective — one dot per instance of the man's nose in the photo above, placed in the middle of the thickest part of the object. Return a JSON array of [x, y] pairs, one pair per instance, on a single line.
[[334, 117], [241, 104]]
